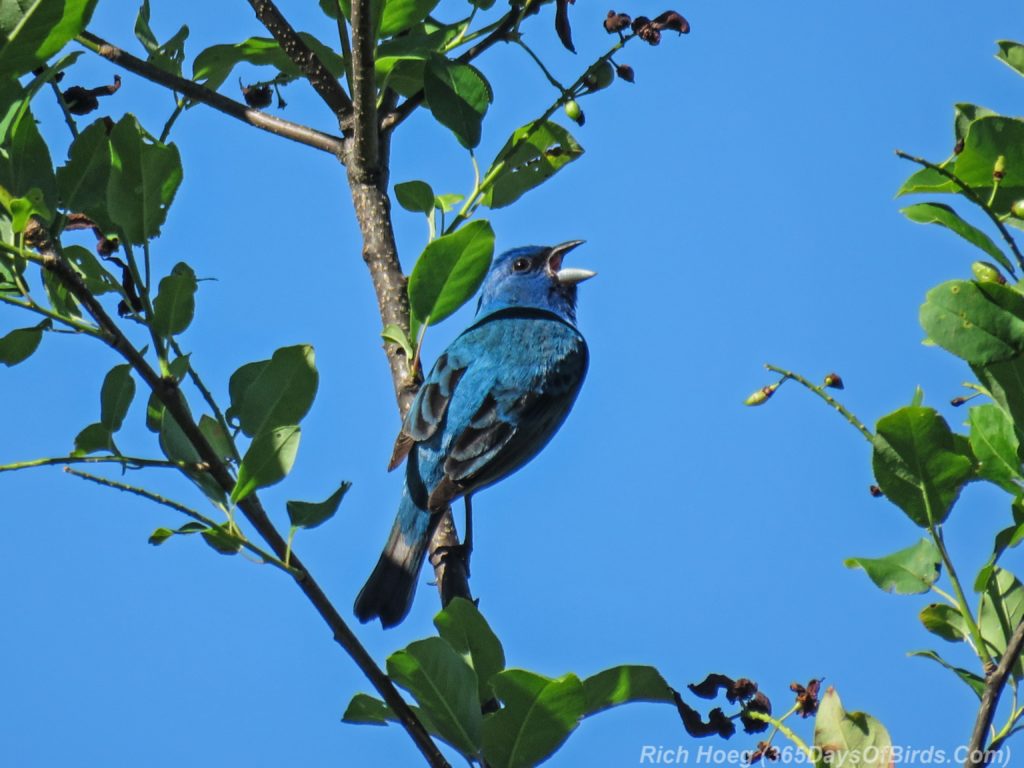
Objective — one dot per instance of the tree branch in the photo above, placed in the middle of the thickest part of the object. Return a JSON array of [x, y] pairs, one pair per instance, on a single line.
[[295, 48], [166, 390], [301, 133], [977, 754], [367, 163]]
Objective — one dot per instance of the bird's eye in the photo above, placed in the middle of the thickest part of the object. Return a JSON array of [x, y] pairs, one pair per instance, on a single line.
[[521, 265]]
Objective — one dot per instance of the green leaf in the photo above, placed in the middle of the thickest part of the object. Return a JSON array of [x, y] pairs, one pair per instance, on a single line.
[[973, 681], [175, 302], [305, 514], [1002, 609], [25, 162], [60, 298], [399, 15], [116, 396], [624, 684], [917, 465], [31, 31], [987, 139], [850, 739], [160, 535], [144, 176], [448, 202], [1005, 382], [538, 715], [364, 709], [910, 571], [213, 66], [221, 540], [270, 458], [216, 437], [449, 271], [169, 56], [996, 446], [177, 447], [458, 97], [467, 631], [279, 393], [445, 686], [981, 323], [936, 213], [945, 621], [1011, 54], [239, 383], [532, 155], [18, 345], [94, 439], [96, 278], [396, 335], [964, 115], [415, 196], [154, 407], [926, 180], [82, 180]]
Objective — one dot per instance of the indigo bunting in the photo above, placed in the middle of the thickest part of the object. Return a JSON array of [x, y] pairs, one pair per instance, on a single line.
[[492, 401]]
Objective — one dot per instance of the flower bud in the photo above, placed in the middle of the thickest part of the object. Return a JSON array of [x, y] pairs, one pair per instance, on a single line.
[[625, 72], [984, 272], [956, 402], [999, 170], [1017, 209], [760, 397], [875, 491], [833, 381], [574, 113]]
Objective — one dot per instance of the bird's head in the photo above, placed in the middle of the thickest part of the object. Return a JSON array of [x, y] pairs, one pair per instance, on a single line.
[[533, 276]]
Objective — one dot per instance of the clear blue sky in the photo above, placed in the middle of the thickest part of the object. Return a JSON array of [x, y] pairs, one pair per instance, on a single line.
[[738, 204]]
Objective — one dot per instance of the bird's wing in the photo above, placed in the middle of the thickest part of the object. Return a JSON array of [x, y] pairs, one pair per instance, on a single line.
[[429, 406], [515, 419]]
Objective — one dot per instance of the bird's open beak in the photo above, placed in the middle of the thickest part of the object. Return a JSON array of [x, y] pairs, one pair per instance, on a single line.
[[566, 275]]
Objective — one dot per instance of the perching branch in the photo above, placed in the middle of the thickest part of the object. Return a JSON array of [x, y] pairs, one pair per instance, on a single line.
[[295, 48], [368, 180], [977, 754], [167, 391], [971, 195], [301, 133]]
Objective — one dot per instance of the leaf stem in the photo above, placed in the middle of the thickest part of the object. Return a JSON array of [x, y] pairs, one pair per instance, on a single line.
[[31, 306], [785, 730], [961, 600], [128, 462], [819, 390]]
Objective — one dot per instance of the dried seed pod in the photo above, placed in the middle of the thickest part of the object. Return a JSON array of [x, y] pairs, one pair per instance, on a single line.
[[258, 95], [625, 72], [672, 20], [616, 22]]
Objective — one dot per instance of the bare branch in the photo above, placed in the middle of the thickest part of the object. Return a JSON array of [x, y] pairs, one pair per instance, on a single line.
[[295, 48], [196, 92], [977, 754], [166, 389]]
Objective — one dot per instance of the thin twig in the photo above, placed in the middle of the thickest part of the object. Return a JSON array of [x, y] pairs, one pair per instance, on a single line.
[[971, 195], [243, 542], [68, 118], [295, 48], [218, 414], [977, 754], [129, 462], [301, 133], [820, 392]]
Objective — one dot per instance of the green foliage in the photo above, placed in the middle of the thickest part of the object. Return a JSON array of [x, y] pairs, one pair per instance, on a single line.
[[449, 272], [852, 739], [305, 514], [532, 155], [18, 345], [458, 96], [918, 465], [175, 302], [911, 571], [981, 323], [944, 215], [31, 31]]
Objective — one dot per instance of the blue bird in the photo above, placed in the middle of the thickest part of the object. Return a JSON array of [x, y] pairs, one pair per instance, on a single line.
[[492, 401]]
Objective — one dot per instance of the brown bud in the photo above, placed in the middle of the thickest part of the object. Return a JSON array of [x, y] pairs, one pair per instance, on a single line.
[[672, 20], [806, 697], [650, 34], [875, 491], [833, 381], [258, 95], [625, 72], [616, 22], [958, 147]]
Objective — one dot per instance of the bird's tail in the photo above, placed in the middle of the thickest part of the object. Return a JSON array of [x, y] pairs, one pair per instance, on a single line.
[[388, 592]]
